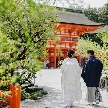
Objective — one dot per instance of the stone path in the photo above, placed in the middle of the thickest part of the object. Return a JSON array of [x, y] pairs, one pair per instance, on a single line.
[[50, 80]]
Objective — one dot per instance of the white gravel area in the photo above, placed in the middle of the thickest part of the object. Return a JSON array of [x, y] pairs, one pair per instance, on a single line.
[[50, 80]]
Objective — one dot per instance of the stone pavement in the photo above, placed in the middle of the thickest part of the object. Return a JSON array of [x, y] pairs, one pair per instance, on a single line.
[[50, 80]]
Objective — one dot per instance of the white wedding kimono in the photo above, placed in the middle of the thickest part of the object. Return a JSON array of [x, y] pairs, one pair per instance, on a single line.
[[70, 80]]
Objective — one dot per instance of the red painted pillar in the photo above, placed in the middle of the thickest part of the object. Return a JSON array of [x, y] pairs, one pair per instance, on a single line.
[[49, 57], [59, 56], [16, 97], [65, 54], [55, 56]]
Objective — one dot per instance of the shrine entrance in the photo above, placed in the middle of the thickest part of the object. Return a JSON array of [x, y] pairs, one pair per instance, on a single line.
[[54, 60], [67, 35]]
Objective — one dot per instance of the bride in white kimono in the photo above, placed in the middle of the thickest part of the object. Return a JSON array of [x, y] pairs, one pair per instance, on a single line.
[[71, 73]]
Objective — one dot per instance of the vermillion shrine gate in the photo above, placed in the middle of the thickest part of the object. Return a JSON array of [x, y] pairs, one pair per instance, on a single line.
[[68, 30]]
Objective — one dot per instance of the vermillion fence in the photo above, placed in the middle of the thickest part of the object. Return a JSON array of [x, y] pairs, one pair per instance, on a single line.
[[13, 98]]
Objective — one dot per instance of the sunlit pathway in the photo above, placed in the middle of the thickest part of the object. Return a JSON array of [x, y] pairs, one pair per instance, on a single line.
[[50, 80]]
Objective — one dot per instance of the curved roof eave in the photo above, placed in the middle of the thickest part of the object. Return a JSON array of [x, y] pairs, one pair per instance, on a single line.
[[99, 24], [100, 30]]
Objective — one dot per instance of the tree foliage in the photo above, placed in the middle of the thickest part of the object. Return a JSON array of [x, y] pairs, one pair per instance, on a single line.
[[92, 14], [103, 14], [6, 45], [99, 15], [26, 27]]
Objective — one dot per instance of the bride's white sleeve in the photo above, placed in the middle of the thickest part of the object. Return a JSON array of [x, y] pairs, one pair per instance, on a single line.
[[78, 68], [63, 66]]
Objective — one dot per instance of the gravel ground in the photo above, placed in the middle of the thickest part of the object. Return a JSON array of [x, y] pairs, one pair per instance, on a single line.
[[50, 80]]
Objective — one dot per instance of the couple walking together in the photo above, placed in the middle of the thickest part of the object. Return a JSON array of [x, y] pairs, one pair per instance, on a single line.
[[71, 74]]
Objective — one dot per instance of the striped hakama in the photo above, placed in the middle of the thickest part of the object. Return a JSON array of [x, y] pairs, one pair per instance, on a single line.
[[91, 94]]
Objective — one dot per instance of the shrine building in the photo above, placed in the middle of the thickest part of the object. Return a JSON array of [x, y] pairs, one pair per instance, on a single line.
[[71, 25]]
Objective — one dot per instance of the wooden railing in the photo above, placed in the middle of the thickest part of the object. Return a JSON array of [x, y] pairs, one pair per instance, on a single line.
[[66, 38], [62, 44], [13, 99]]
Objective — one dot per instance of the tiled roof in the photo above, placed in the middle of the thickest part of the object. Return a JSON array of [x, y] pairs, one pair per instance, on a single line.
[[75, 18]]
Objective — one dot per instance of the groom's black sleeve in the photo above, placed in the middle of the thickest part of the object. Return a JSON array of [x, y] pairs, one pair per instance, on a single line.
[[86, 71], [83, 71]]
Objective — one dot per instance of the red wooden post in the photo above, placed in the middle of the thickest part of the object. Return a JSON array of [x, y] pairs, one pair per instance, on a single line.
[[13, 98], [49, 56], [65, 53], [16, 97], [59, 56], [54, 56]]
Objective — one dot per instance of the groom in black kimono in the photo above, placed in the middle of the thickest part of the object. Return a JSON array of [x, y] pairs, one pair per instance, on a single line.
[[91, 74]]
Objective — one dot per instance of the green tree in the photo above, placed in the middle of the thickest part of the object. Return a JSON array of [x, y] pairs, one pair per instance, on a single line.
[[92, 14], [6, 45], [103, 14], [99, 15], [27, 27]]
